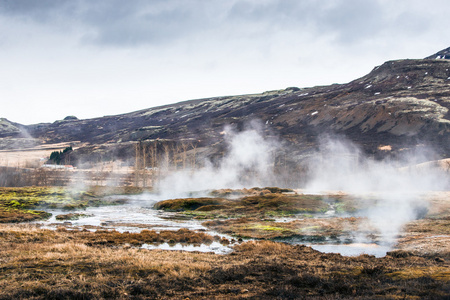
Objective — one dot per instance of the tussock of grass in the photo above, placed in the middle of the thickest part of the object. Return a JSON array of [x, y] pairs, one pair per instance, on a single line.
[[263, 204], [248, 192], [71, 217], [188, 204]]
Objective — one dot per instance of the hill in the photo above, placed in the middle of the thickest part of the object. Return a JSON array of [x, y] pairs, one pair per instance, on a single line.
[[400, 104]]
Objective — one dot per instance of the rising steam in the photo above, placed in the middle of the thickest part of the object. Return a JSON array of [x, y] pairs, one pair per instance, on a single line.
[[392, 193], [248, 163]]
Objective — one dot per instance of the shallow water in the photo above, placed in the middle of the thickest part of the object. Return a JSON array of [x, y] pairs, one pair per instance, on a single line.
[[128, 217], [136, 215], [139, 214], [213, 247], [353, 249]]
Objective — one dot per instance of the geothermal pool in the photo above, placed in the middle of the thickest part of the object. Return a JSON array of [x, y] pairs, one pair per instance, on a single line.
[[139, 214]]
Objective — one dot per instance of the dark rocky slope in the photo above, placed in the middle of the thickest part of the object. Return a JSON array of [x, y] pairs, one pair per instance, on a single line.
[[402, 103], [443, 54]]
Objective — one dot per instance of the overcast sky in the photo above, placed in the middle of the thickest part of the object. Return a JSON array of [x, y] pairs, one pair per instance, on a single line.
[[93, 58]]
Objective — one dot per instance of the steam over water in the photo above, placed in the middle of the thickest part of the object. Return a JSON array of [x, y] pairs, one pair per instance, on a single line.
[[392, 192]]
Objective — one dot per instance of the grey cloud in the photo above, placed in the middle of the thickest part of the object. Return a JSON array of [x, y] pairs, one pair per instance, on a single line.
[[40, 11], [112, 22], [412, 22], [138, 22], [347, 21], [353, 20], [159, 22]]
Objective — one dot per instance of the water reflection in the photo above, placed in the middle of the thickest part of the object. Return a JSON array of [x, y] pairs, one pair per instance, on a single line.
[[213, 247], [353, 249]]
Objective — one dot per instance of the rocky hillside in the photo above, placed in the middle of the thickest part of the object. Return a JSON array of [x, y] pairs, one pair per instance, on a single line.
[[8, 128], [443, 54], [402, 103]]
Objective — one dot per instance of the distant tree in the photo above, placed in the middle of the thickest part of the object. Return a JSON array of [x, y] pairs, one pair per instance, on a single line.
[[70, 118], [68, 149], [57, 156]]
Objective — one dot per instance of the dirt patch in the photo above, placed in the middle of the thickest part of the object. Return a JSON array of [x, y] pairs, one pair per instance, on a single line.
[[115, 238]]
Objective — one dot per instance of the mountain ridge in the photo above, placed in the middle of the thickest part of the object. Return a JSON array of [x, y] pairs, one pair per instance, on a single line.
[[443, 54], [399, 103]]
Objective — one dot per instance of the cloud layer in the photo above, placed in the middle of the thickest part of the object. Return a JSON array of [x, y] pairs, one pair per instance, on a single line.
[[110, 53], [137, 22]]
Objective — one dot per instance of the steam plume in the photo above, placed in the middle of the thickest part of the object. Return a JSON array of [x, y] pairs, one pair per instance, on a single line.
[[248, 163], [393, 192]]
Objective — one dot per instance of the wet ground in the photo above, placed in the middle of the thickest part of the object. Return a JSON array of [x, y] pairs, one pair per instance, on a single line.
[[137, 215], [43, 264], [327, 231], [119, 251]]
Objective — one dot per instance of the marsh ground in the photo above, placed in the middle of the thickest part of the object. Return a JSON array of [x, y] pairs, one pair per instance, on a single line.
[[44, 264], [38, 263]]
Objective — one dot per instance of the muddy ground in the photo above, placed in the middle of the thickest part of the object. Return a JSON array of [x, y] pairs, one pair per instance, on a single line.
[[38, 263]]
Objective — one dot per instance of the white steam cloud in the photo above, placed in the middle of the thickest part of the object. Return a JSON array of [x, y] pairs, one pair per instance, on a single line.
[[248, 163], [393, 193]]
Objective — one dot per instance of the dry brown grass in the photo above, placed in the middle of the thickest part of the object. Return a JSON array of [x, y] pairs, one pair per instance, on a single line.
[[64, 264], [43, 264], [12, 215]]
